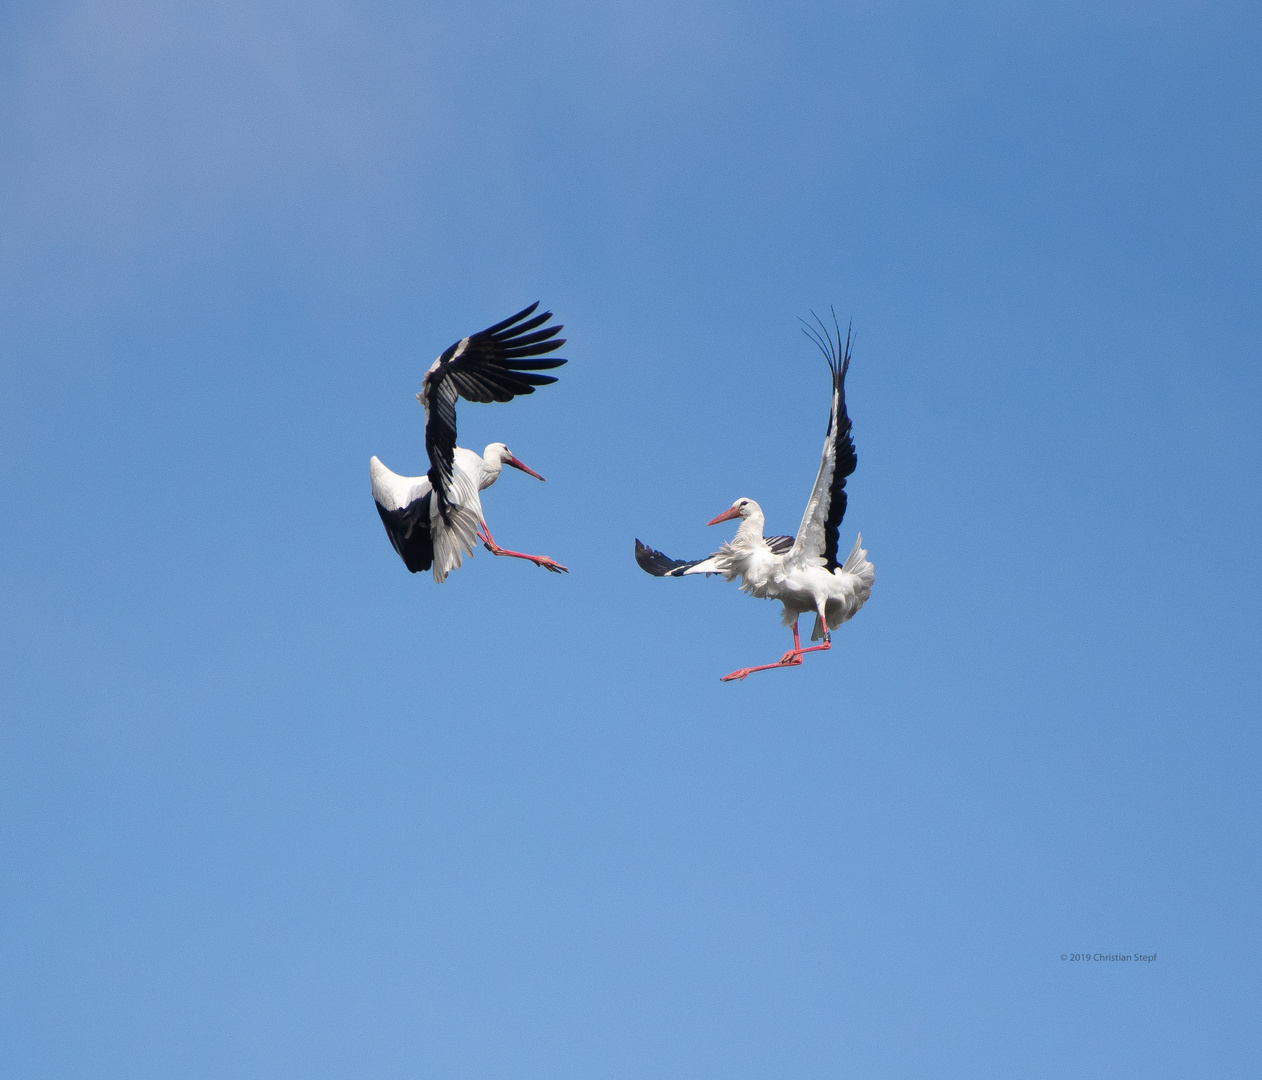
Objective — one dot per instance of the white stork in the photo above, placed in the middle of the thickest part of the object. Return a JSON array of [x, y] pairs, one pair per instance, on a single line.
[[432, 520], [802, 572]]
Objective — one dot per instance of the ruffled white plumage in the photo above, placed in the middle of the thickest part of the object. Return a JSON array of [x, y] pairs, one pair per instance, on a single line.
[[455, 536]]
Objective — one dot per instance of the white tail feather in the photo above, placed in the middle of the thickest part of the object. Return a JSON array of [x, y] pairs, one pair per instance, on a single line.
[[857, 559], [456, 536], [858, 574]]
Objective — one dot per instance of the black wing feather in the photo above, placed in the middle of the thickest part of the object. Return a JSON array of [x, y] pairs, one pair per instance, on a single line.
[[845, 460], [844, 464], [492, 365], [408, 529], [659, 565]]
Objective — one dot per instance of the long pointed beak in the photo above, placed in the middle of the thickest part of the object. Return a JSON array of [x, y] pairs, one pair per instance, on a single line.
[[727, 515], [524, 468]]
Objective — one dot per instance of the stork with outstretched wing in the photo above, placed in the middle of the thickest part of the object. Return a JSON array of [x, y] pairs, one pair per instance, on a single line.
[[803, 572], [433, 520]]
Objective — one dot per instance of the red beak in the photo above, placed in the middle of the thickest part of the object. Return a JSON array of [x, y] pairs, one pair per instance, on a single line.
[[524, 468], [725, 516]]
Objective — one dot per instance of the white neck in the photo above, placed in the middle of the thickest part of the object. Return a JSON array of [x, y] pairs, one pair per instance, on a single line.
[[750, 531], [491, 469]]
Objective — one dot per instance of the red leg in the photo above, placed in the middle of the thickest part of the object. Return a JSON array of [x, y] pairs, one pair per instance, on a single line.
[[484, 534], [796, 651], [793, 658]]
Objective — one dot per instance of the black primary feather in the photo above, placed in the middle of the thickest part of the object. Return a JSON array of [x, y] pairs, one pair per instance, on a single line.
[[494, 364], [844, 457], [659, 565]]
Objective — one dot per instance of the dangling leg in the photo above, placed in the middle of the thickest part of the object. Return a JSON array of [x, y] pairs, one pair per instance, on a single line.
[[792, 658], [484, 534], [794, 655], [821, 609]]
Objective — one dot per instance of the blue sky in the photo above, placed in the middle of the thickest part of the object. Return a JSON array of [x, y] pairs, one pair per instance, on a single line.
[[272, 807]]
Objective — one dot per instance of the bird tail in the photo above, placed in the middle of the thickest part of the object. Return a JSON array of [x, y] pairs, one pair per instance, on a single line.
[[455, 536], [857, 563], [452, 539], [858, 575]]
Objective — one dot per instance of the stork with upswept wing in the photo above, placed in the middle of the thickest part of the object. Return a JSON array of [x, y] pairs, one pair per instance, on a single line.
[[804, 572], [434, 520]]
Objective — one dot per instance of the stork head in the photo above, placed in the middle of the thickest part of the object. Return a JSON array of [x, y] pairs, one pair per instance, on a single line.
[[741, 508], [500, 454]]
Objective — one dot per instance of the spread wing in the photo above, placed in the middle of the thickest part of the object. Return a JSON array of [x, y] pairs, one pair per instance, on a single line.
[[817, 535], [403, 503], [659, 565], [496, 364]]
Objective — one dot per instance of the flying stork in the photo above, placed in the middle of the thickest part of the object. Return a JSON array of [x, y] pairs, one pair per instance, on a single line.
[[432, 520], [803, 572]]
